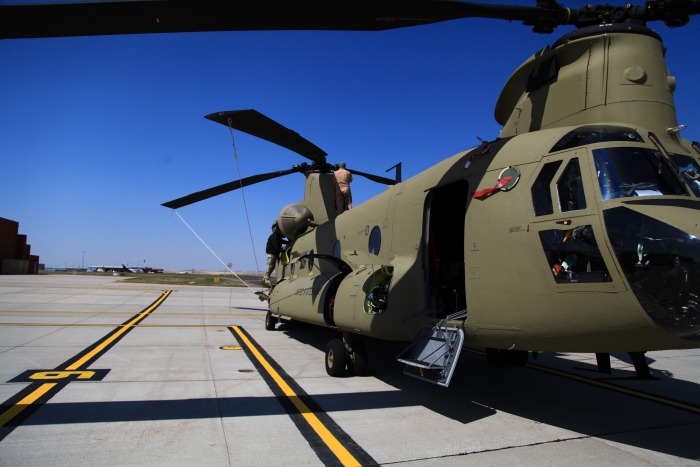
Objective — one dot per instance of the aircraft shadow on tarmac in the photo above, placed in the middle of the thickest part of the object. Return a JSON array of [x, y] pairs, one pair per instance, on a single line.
[[476, 392]]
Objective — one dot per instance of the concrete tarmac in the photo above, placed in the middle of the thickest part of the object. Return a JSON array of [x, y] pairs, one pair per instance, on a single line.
[[94, 371]]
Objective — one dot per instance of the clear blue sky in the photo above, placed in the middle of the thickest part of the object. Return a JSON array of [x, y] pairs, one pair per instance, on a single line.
[[97, 132]]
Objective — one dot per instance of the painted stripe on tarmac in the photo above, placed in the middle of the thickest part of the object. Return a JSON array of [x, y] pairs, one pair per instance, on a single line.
[[19, 407], [41, 312], [330, 443], [111, 325], [631, 392]]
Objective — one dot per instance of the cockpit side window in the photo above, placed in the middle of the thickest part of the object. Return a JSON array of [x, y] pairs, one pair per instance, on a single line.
[[541, 195], [570, 188]]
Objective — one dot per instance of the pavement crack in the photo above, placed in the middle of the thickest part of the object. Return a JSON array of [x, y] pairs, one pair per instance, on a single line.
[[505, 448]]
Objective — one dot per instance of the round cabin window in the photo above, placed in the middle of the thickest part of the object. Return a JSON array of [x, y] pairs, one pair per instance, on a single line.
[[375, 240], [336, 249]]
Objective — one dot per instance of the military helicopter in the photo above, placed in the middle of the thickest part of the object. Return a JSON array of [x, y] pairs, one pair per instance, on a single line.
[[574, 231]]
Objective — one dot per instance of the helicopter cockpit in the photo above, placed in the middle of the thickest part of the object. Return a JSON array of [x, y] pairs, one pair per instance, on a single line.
[[660, 261]]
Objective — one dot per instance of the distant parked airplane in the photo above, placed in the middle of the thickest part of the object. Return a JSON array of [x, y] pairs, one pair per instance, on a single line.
[[125, 268]]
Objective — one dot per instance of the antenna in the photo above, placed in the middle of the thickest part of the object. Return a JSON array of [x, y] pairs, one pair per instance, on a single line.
[[398, 171]]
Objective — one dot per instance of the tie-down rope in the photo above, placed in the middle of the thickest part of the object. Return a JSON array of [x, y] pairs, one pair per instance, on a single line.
[[245, 206], [212, 251]]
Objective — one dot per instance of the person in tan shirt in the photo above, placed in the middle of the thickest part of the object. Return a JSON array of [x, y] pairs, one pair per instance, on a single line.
[[343, 195]]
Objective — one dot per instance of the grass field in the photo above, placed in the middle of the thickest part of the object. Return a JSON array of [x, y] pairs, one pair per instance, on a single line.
[[175, 279], [184, 279]]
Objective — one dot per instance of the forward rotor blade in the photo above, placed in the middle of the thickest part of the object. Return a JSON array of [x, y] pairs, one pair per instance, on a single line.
[[96, 18], [374, 178], [154, 16], [256, 124], [225, 188]]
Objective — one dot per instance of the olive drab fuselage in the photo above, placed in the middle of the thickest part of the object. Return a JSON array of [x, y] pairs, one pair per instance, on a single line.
[[550, 264]]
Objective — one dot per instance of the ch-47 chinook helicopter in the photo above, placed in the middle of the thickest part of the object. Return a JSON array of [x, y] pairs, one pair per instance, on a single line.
[[574, 231]]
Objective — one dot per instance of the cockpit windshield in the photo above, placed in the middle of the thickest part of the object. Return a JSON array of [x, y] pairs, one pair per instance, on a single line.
[[688, 169], [630, 171]]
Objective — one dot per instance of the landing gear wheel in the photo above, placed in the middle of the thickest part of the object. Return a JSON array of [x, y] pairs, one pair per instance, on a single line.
[[518, 357], [358, 360], [335, 358], [270, 321], [498, 358]]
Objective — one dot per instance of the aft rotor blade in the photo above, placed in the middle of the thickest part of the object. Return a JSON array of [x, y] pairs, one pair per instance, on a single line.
[[225, 188], [256, 124], [374, 178]]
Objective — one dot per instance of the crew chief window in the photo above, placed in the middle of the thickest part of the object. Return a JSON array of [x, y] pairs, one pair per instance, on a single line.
[[574, 256]]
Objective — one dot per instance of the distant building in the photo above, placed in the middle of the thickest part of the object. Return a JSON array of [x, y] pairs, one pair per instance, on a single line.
[[15, 254]]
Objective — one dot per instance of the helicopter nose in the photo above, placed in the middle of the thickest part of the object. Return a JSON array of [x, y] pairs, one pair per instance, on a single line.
[[661, 263]]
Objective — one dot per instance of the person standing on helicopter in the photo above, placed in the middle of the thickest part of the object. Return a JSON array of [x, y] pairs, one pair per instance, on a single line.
[[343, 195], [275, 246]]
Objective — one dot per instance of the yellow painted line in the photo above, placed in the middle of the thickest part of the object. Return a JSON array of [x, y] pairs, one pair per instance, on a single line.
[[15, 410], [59, 285], [41, 312], [112, 325], [602, 384], [632, 392], [121, 331], [331, 441]]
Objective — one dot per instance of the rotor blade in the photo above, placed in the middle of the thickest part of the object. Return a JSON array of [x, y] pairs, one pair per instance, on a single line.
[[256, 124], [24, 20], [374, 178], [153, 16], [225, 188]]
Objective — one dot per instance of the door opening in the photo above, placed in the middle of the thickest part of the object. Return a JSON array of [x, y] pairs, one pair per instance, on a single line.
[[446, 208]]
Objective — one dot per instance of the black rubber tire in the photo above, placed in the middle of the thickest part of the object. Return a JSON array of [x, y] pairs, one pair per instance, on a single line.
[[336, 358], [498, 358], [518, 357], [358, 362], [270, 321]]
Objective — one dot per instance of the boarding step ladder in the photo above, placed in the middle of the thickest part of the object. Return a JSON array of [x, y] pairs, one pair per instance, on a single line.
[[433, 355]]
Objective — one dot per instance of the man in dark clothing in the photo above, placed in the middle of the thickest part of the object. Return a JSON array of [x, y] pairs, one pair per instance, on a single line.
[[275, 246]]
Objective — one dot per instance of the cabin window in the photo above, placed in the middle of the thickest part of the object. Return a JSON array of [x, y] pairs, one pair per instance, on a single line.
[[689, 171], [311, 261], [292, 267], [541, 195], [570, 188], [574, 256], [592, 134], [625, 172], [375, 240], [336, 249]]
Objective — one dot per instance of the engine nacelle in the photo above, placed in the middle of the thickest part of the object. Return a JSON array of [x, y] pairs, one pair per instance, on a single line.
[[294, 220]]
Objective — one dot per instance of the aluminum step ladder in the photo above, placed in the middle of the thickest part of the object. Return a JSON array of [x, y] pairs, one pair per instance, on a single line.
[[433, 355]]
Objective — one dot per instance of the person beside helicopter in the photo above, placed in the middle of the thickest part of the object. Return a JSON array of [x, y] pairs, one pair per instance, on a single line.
[[275, 245], [343, 196]]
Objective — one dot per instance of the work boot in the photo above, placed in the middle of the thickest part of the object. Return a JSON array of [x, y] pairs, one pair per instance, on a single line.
[[266, 282]]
